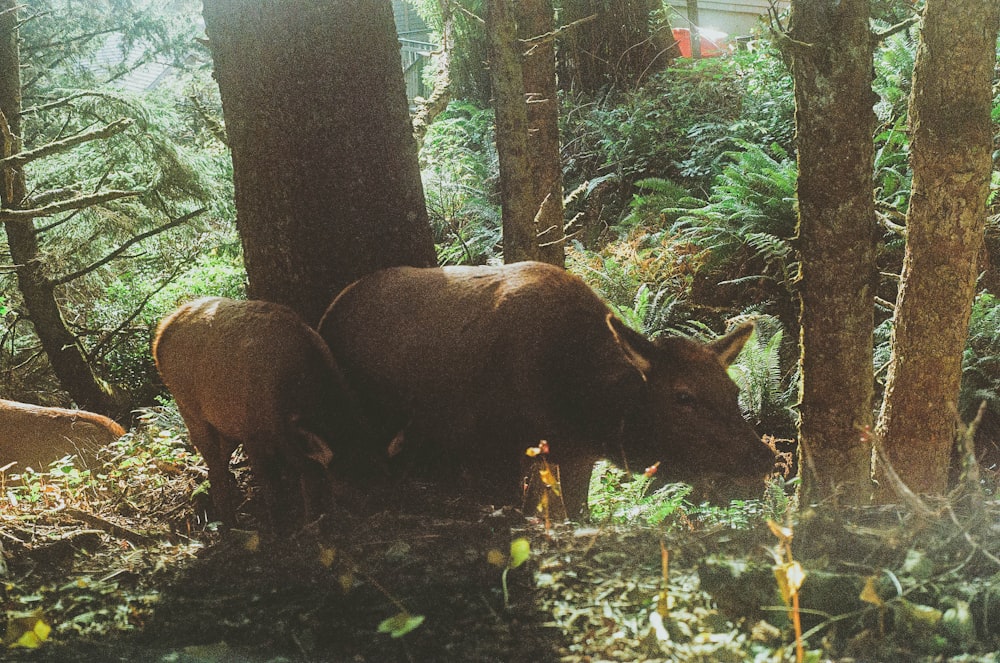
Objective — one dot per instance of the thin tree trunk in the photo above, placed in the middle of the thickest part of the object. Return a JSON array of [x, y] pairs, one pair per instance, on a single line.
[[951, 154], [535, 18], [324, 161], [694, 21], [516, 180], [831, 52], [66, 355], [438, 101]]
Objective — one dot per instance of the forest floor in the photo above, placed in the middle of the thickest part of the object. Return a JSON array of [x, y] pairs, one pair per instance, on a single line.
[[121, 570]]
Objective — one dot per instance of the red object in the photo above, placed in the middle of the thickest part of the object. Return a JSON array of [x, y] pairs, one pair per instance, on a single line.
[[710, 47]]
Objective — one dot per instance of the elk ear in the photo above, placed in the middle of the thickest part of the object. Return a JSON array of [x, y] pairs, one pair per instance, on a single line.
[[728, 347], [636, 347]]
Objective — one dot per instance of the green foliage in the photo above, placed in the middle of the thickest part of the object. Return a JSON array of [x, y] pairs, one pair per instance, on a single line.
[[892, 168], [459, 166], [166, 156], [681, 125], [894, 62], [981, 359], [469, 78], [750, 213], [651, 307], [767, 394], [617, 496]]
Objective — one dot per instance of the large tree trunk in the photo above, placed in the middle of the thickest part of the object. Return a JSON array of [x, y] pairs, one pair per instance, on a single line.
[[517, 202], [831, 53], [325, 165], [66, 355], [536, 18], [951, 154]]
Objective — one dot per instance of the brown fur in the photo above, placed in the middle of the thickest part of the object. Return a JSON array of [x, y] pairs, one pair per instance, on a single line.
[[479, 363], [35, 436], [252, 372]]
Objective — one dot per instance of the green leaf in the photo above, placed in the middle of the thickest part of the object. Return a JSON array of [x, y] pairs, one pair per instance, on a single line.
[[400, 624], [520, 551]]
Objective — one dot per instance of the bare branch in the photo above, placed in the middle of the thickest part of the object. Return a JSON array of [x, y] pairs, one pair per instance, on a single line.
[[77, 202], [534, 42], [126, 246], [64, 101], [463, 10], [899, 27], [27, 156], [99, 349]]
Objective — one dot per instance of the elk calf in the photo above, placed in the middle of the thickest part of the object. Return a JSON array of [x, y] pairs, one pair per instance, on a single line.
[[253, 372], [35, 436]]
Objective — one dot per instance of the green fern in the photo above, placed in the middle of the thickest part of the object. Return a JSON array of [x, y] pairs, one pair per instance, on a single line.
[[767, 395], [981, 359], [751, 209]]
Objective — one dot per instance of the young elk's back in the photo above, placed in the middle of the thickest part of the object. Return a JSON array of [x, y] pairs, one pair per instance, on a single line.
[[253, 372], [35, 436]]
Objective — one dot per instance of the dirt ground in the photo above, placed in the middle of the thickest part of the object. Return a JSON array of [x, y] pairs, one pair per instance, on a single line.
[[127, 571]]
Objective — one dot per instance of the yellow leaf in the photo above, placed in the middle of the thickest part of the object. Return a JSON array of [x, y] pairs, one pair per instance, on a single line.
[[520, 551], [36, 631], [548, 478], [496, 558], [790, 577], [346, 581], [543, 503], [327, 556], [869, 594], [780, 531]]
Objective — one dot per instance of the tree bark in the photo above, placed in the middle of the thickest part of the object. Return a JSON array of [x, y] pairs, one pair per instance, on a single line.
[[951, 155], [325, 165], [37, 288], [535, 18], [830, 46], [516, 179], [614, 50]]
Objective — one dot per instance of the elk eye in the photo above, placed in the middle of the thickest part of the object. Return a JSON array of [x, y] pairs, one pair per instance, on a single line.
[[685, 398]]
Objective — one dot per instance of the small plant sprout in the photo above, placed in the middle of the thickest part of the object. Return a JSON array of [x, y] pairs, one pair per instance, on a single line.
[[520, 551], [400, 624], [790, 576]]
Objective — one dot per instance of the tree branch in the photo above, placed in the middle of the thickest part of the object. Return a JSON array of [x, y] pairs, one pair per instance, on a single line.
[[77, 202], [899, 27], [26, 156], [463, 10], [124, 247], [98, 350], [549, 36], [64, 101]]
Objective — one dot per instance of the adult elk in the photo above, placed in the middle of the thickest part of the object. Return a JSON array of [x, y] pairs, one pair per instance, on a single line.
[[253, 372], [35, 436], [479, 363]]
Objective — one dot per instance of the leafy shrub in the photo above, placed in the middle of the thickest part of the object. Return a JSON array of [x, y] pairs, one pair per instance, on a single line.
[[749, 215], [617, 496], [459, 166], [767, 392], [644, 285], [981, 359]]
